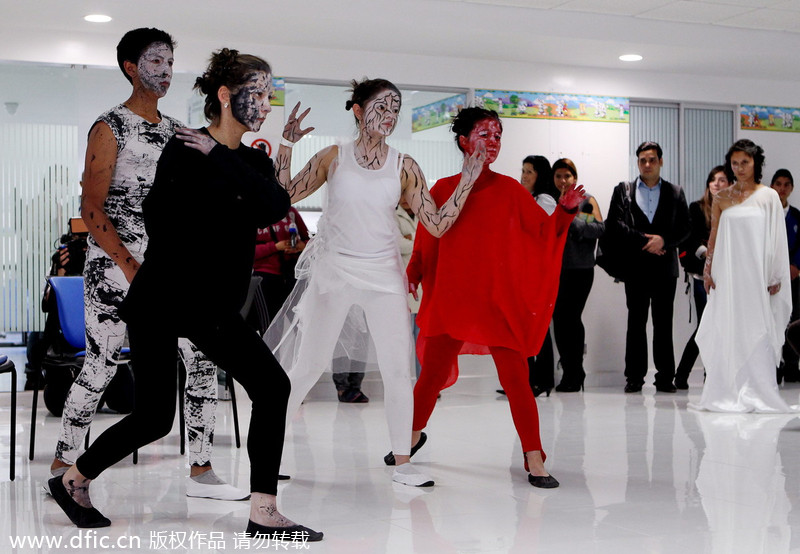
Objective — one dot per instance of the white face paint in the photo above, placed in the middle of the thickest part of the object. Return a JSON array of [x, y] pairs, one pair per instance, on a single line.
[[381, 113], [155, 68], [250, 103]]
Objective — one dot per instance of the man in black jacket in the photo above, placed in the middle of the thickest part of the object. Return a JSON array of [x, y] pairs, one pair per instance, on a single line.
[[649, 217]]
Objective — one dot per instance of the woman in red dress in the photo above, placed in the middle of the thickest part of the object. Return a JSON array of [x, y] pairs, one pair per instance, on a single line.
[[479, 298]]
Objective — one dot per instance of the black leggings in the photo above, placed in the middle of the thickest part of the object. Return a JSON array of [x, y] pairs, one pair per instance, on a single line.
[[233, 346]]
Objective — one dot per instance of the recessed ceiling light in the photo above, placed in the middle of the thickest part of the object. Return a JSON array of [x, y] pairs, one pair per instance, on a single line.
[[97, 18], [630, 58]]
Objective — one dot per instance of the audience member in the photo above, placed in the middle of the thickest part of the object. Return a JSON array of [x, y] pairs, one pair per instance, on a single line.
[[648, 218], [693, 257], [746, 276], [783, 183]]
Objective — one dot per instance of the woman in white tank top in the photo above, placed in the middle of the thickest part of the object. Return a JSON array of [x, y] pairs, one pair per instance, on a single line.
[[350, 299]]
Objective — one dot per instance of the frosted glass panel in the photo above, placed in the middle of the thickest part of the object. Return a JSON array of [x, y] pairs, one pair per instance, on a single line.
[[39, 192]]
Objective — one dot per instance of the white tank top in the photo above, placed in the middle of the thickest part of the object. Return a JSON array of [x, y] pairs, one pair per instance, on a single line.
[[359, 213]]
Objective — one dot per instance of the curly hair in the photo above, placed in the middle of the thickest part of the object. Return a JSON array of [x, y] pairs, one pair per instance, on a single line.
[[361, 92], [751, 149], [226, 68], [134, 42], [466, 119]]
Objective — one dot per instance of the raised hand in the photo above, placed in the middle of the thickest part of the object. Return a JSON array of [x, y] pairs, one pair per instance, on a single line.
[[572, 197], [292, 131], [473, 164], [195, 139]]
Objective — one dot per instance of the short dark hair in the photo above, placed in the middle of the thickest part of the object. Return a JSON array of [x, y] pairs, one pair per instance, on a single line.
[[466, 119], [227, 68], [361, 92], [785, 173], [751, 149], [650, 145], [134, 42]]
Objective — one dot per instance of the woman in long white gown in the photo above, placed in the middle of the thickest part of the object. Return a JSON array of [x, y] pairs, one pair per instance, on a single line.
[[747, 278]]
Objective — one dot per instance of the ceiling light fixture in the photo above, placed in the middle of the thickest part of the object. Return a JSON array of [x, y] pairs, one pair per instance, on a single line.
[[630, 58], [97, 18]]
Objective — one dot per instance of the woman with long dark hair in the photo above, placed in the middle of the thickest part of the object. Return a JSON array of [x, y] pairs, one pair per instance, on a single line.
[[746, 276], [693, 256]]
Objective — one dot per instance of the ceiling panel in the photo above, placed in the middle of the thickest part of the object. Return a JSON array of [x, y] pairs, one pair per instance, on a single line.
[[688, 11]]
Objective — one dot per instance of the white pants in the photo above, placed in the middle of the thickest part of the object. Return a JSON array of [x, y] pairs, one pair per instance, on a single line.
[[388, 321]]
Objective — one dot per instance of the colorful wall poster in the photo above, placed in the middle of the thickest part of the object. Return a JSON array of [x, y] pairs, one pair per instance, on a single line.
[[769, 118], [436, 113], [279, 95], [550, 105]]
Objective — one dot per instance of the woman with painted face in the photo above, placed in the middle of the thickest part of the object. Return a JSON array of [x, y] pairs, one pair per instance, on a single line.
[[692, 255], [746, 276], [351, 276], [489, 305], [204, 175]]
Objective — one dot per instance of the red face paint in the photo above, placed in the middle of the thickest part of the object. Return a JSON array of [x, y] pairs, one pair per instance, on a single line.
[[487, 131]]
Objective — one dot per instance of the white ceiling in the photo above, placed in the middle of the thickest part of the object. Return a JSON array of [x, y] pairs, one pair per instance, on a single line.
[[755, 38]]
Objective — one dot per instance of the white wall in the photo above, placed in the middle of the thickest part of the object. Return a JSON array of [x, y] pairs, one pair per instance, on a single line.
[[600, 150]]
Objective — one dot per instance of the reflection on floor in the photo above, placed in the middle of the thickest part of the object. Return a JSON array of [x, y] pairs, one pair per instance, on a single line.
[[639, 473]]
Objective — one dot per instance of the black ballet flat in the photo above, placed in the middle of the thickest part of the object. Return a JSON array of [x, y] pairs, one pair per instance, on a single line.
[[389, 458], [543, 482], [295, 533], [82, 517]]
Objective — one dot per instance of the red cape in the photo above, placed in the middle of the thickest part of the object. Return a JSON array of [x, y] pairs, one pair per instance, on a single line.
[[492, 278]]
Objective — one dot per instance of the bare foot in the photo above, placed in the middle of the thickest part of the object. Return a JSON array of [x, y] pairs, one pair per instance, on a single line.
[[77, 487], [195, 470], [536, 463], [58, 464], [264, 511]]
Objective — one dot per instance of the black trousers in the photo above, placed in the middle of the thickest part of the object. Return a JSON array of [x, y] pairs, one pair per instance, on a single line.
[[790, 357], [541, 368], [691, 351], [656, 294], [233, 346], [568, 329]]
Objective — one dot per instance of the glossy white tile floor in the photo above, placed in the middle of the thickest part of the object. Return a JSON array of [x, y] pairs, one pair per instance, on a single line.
[[639, 474]]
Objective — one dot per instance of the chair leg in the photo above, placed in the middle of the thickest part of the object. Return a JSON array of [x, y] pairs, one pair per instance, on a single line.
[[181, 414], [13, 434], [34, 406], [230, 386]]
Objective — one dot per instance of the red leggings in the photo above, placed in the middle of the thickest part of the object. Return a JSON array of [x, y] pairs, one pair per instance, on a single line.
[[438, 357]]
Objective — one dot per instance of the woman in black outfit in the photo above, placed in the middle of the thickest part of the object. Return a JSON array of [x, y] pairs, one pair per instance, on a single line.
[[693, 258], [537, 177], [577, 276], [210, 195]]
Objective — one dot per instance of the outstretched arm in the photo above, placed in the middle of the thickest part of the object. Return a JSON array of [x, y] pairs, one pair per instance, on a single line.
[[315, 173], [415, 190]]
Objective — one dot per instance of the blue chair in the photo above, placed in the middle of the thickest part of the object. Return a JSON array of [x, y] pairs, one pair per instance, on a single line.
[[7, 366], [70, 305]]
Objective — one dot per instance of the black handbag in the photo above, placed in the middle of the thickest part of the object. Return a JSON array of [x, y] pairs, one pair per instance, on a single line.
[[611, 254]]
